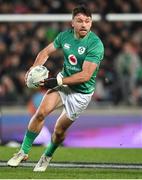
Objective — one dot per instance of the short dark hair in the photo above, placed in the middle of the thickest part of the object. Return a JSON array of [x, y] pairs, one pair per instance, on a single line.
[[81, 9]]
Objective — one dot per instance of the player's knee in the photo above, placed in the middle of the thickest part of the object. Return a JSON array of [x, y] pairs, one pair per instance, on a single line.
[[40, 115], [45, 111]]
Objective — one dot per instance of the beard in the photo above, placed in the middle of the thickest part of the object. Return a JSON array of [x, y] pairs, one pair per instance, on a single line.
[[83, 32]]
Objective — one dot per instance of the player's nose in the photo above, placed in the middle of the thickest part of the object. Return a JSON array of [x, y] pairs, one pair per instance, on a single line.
[[83, 24]]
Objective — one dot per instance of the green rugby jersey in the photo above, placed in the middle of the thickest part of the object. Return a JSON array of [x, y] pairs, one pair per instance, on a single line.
[[76, 51]]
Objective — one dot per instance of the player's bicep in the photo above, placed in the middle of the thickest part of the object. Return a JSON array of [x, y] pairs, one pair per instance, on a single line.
[[89, 68]]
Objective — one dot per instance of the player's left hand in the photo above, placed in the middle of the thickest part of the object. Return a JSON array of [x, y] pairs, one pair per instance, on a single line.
[[51, 83]]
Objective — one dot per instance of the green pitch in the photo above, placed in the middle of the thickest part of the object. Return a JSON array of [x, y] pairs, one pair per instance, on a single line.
[[75, 155]]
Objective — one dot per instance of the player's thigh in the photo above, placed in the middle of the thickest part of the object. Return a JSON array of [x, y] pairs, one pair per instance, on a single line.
[[50, 101], [63, 123]]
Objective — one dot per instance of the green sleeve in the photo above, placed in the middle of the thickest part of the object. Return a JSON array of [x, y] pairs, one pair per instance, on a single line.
[[57, 41], [95, 53]]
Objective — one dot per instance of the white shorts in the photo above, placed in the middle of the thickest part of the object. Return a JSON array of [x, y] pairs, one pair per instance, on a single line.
[[74, 103]]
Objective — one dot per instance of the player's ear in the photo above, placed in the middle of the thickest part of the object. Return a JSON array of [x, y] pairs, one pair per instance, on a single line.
[[72, 23]]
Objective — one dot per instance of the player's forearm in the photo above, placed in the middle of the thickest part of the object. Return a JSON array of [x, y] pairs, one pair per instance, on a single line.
[[87, 71], [77, 78], [44, 54], [41, 57], [74, 79]]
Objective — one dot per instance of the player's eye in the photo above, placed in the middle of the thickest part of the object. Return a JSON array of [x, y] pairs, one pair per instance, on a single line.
[[79, 21], [87, 21]]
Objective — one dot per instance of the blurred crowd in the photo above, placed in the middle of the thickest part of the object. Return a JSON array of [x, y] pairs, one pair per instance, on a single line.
[[120, 77], [56, 6], [19, 46]]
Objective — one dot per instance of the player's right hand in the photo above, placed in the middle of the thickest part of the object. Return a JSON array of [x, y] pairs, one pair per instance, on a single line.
[[26, 75]]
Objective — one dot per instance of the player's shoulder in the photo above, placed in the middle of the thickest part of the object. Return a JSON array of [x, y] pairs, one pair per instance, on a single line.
[[66, 32], [65, 35], [94, 40]]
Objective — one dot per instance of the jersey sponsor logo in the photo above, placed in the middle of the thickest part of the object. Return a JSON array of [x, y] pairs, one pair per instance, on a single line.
[[74, 68], [81, 50], [67, 46], [72, 59]]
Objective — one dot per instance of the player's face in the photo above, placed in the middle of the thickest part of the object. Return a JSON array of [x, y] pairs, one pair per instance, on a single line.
[[81, 24]]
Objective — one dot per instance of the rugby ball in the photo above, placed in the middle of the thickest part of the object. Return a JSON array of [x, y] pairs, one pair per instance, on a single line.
[[36, 75]]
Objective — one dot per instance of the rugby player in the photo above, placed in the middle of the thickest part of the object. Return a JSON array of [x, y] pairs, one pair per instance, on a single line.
[[72, 88]]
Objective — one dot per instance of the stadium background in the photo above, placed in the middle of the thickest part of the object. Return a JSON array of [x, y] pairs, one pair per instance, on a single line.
[[114, 116]]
